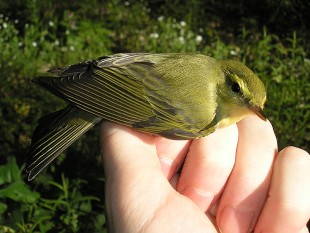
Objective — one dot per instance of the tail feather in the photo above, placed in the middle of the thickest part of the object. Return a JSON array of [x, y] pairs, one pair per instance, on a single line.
[[54, 133]]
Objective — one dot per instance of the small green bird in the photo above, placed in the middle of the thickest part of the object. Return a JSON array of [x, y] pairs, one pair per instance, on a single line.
[[177, 96]]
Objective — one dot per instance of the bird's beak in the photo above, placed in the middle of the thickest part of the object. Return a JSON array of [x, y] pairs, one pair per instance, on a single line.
[[259, 112]]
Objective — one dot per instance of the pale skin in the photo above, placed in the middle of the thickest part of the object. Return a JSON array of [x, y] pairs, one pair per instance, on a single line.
[[232, 181]]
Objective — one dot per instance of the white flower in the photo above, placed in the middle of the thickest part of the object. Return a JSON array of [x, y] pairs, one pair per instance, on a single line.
[[20, 44], [4, 25], [71, 48], [51, 23], [160, 18], [34, 44], [56, 42], [6, 18], [183, 23], [198, 38], [154, 35], [126, 3], [67, 32], [16, 21], [181, 39], [233, 52]]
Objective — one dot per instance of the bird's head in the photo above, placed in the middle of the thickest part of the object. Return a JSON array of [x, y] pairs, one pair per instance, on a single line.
[[241, 92]]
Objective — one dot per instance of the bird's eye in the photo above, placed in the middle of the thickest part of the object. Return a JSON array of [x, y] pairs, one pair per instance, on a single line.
[[235, 87]]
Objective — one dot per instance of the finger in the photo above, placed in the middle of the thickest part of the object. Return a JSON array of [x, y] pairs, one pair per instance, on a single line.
[[247, 187], [118, 159], [171, 154], [207, 166], [288, 205], [132, 176]]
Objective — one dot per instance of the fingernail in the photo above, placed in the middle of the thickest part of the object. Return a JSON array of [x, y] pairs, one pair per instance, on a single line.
[[202, 199], [168, 167], [236, 220]]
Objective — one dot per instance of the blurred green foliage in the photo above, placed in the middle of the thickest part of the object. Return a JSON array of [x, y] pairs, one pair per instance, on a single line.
[[67, 210], [271, 37]]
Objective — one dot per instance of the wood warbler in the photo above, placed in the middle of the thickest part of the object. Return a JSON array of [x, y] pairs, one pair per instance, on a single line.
[[177, 96]]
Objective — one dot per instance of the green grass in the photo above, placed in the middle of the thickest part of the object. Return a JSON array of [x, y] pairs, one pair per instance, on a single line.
[[69, 196]]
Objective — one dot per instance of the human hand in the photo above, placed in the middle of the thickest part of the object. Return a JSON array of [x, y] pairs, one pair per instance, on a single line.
[[233, 179]]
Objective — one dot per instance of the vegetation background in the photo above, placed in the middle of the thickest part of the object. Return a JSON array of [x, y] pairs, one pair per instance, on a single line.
[[270, 36]]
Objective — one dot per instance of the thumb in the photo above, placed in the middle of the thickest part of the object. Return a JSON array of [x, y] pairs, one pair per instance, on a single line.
[[133, 177], [126, 151]]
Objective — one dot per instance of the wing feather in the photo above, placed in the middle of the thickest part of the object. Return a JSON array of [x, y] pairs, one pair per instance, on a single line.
[[54, 133], [103, 89]]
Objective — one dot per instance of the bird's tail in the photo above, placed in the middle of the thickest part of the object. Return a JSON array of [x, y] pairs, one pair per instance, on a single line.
[[54, 133]]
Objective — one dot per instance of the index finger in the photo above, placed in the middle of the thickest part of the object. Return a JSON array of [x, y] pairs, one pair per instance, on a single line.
[[287, 209], [247, 186]]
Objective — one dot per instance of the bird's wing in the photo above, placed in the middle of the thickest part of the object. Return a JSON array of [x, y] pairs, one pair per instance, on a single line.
[[103, 89], [110, 87]]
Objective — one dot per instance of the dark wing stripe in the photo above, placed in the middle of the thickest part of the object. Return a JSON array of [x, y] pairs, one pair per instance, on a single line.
[[164, 111]]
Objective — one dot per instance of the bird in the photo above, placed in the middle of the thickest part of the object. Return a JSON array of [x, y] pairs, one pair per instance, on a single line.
[[174, 95]]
